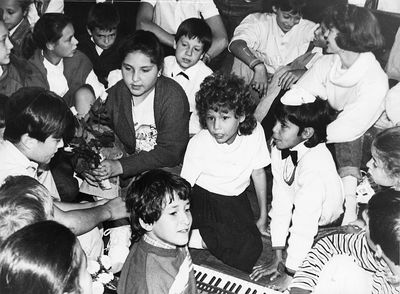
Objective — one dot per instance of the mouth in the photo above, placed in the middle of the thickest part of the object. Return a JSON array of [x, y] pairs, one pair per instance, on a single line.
[[185, 60]]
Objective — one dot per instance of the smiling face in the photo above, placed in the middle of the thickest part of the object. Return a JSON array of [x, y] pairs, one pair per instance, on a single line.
[[66, 45], [174, 224], [12, 13], [285, 19], [286, 135], [378, 171], [139, 74], [103, 38], [5, 45], [43, 152], [188, 51], [223, 125]]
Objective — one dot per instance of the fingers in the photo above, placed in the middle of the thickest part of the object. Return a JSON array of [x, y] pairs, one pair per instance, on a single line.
[[261, 271]]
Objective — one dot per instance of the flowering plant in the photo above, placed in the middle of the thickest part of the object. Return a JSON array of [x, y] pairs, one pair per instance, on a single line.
[[102, 277]]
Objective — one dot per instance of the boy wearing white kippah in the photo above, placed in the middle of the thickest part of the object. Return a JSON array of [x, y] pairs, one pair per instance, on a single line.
[[307, 191]]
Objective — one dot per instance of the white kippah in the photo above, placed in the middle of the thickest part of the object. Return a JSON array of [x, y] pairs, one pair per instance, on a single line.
[[297, 96]]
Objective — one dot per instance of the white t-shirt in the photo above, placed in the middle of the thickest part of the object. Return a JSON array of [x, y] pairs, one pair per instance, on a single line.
[[221, 168]]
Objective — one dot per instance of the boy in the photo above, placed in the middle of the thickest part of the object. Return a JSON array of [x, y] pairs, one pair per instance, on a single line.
[[307, 191], [159, 261], [101, 42], [192, 39], [364, 262]]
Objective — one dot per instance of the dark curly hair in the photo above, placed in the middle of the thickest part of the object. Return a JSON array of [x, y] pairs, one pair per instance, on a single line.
[[386, 145], [147, 196], [316, 115], [220, 92], [359, 30]]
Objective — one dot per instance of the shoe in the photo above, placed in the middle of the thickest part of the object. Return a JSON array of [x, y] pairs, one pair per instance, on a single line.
[[118, 246]]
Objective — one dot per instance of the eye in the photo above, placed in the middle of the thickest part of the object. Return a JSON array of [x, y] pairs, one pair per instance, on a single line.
[[225, 117], [197, 49], [173, 213], [210, 118]]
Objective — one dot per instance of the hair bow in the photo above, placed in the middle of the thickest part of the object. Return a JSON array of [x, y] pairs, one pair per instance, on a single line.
[[297, 96]]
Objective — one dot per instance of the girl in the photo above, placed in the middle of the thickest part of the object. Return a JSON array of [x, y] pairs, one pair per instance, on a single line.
[[56, 63], [15, 17], [44, 257], [219, 162], [149, 113], [353, 82]]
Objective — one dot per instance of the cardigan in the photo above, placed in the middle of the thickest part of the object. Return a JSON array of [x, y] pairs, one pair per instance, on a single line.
[[15, 75], [18, 35], [171, 114]]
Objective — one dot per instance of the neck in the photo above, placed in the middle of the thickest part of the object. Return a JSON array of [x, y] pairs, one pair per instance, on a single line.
[[348, 58], [51, 57]]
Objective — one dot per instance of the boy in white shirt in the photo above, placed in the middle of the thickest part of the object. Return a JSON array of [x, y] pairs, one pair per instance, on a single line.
[[192, 39]]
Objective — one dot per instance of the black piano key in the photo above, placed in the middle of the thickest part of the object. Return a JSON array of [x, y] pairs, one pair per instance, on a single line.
[[238, 289], [254, 292], [227, 285], [198, 274], [247, 291], [203, 277], [212, 281], [218, 281], [232, 287]]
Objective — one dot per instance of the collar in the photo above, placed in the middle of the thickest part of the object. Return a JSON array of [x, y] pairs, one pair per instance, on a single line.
[[51, 68], [190, 72], [1, 71], [11, 32], [16, 155], [98, 49], [157, 243]]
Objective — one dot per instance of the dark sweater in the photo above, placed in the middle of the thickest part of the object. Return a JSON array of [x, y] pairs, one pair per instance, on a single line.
[[15, 75], [171, 114]]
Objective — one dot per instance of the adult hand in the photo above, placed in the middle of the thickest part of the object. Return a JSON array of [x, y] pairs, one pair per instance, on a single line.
[[117, 209], [260, 79], [107, 169], [260, 271], [281, 282], [287, 79]]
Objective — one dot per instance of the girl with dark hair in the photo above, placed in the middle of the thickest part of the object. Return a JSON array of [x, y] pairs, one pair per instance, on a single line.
[[353, 82], [44, 257], [219, 163], [56, 63]]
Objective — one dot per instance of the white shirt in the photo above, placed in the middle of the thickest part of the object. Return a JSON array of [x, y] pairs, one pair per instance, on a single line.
[[314, 198], [269, 43], [14, 163], [54, 6], [196, 74], [221, 168], [358, 92], [170, 14]]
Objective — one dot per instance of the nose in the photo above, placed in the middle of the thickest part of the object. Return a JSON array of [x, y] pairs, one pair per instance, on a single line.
[[135, 76], [186, 217], [60, 144], [217, 124], [275, 128], [189, 51], [9, 45], [75, 41], [369, 163]]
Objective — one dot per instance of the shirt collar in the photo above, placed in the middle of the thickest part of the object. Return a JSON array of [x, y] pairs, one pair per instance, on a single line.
[[11, 32], [157, 243], [301, 150], [98, 49], [20, 157]]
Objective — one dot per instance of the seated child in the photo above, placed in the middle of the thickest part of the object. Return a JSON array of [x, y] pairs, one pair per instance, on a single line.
[[307, 191], [159, 261], [364, 262], [101, 42], [43, 257], [192, 39], [219, 163]]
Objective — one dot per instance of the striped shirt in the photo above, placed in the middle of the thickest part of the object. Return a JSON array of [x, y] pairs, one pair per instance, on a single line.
[[353, 245]]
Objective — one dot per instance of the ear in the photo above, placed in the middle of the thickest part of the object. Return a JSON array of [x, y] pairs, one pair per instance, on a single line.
[[89, 32], [145, 226], [159, 73], [307, 133], [28, 142], [50, 46], [274, 9], [242, 118]]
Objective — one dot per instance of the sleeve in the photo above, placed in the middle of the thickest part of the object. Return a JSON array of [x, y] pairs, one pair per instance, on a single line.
[[55, 6], [151, 2], [307, 211], [251, 31], [393, 104], [192, 166], [98, 87], [262, 157], [208, 9], [361, 114], [282, 205]]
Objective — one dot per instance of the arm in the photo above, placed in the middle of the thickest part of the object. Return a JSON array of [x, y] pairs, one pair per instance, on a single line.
[[144, 21], [260, 184], [219, 36], [191, 168]]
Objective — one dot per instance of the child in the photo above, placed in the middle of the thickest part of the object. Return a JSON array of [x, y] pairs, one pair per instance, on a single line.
[[364, 262], [44, 257], [15, 17], [219, 162], [101, 42], [159, 261], [192, 39], [307, 191]]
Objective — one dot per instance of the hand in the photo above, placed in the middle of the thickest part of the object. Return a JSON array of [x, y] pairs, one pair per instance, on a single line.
[[107, 169], [290, 77], [260, 271], [117, 208], [260, 79], [349, 217], [280, 282], [262, 226], [358, 223]]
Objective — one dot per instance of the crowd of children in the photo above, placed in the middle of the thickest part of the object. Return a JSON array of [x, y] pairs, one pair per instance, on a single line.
[[193, 148]]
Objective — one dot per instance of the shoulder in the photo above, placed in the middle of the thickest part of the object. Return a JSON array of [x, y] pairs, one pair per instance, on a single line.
[[167, 89], [78, 58], [169, 63], [259, 17], [202, 68], [200, 142]]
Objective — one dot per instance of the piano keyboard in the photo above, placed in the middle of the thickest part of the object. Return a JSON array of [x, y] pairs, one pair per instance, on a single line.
[[211, 281]]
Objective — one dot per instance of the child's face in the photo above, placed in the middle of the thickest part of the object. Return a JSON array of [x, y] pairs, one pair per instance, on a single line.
[[331, 45], [188, 51], [319, 36], [43, 152], [286, 135], [377, 170], [12, 13], [173, 226], [285, 19], [223, 125], [103, 38], [5, 45], [66, 45]]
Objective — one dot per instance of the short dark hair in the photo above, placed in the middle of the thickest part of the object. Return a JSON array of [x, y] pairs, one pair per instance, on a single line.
[[147, 196], [43, 257], [316, 115], [359, 30], [292, 6], [195, 28], [384, 222], [39, 113], [145, 42], [103, 16], [224, 92]]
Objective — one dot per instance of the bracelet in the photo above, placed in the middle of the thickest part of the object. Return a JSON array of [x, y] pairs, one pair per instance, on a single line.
[[289, 273], [255, 62]]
